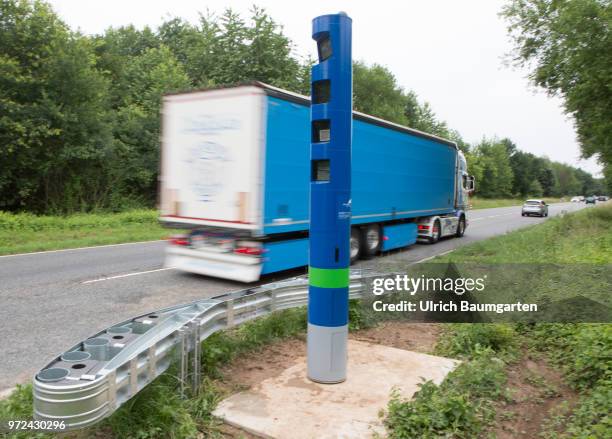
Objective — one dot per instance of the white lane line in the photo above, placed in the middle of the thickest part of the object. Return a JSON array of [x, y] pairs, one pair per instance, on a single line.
[[492, 216], [431, 257], [82, 248], [119, 276], [7, 392]]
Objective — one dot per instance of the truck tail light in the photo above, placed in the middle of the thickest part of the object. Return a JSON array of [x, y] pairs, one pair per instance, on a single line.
[[423, 227], [178, 240], [253, 251]]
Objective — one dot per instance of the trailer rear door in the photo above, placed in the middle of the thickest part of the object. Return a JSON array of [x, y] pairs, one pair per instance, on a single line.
[[211, 158]]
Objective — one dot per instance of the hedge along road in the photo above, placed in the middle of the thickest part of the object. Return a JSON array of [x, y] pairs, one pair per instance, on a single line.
[[52, 300]]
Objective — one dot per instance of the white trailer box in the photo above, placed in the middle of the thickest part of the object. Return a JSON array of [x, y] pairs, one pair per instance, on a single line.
[[211, 164]]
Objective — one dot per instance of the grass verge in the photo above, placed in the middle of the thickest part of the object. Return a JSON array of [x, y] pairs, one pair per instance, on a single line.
[[24, 233], [464, 404], [583, 237], [584, 353]]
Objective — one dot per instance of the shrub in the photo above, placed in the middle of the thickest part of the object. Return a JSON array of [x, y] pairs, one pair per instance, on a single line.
[[467, 339], [460, 407]]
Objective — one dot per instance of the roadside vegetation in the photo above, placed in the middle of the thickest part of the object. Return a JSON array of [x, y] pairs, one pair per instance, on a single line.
[[26, 232], [475, 397], [583, 352], [583, 237], [464, 404], [23, 233]]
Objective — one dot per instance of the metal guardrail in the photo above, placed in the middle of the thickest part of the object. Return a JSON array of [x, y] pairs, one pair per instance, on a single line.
[[95, 377]]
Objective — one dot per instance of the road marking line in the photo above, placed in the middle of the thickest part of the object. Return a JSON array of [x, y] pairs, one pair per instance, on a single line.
[[119, 276], [432, 257], [7, 392], [81, 248], [491, 216]]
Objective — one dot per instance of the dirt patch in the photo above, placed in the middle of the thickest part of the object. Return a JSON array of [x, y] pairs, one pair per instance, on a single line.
[[248, 370], [537, 391], [418, 337]]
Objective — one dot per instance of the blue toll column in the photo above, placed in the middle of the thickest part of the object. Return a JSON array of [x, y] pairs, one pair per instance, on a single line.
[[330, 199]]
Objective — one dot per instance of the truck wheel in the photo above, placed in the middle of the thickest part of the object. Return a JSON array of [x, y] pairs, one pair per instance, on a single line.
[[370, 240], [355, 247], [461, 227], [435, 233]]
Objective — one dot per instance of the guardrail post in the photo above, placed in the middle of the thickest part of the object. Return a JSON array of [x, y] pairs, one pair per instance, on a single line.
[[197, 358], [152, 357], [331, 115], [229, 305], [133, 376], [183, 354], [112, 389]]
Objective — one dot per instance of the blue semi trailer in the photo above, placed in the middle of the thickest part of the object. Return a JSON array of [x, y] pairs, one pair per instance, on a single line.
[[236, 172]]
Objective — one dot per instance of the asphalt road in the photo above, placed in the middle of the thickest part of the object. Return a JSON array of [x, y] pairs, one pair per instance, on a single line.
[[51, 300]]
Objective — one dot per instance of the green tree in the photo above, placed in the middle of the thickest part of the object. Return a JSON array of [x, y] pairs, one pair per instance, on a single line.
[[535, 189], [228, 50], [254, 51], [546, 178], [376, 92], [192, 46], [137, 129], [607, 180], [54, 124], [568, 43], [427, 121], [490, 164], [114, 50], [567, 182]]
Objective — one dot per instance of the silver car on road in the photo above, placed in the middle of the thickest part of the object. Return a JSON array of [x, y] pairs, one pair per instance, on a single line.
[[535, 207]]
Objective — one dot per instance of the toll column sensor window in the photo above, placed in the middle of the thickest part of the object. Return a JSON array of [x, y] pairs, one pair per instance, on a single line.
[[324, 47], [321, 131], [321, 91], [320, 170]]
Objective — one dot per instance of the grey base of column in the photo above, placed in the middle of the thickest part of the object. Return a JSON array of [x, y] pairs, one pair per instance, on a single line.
[[327, 353]]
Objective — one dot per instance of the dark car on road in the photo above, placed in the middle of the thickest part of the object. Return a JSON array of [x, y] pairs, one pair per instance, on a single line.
[[534, 207], [590, 200]]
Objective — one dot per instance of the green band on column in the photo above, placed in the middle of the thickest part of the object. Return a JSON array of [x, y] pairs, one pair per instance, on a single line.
[[328, 277]]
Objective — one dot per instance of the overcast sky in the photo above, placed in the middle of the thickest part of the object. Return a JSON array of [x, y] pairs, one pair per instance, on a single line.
[[449, 52]]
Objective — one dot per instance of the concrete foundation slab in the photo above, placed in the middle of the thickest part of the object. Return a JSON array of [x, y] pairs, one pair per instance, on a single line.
[[291, 406]]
